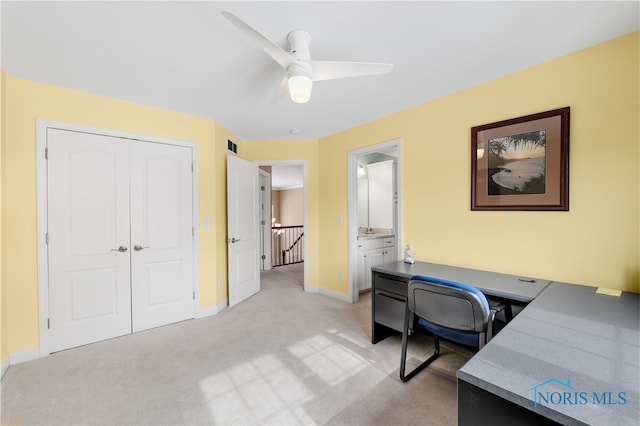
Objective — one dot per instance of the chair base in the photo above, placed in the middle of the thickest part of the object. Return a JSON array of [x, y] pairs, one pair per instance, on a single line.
[[405, 341]]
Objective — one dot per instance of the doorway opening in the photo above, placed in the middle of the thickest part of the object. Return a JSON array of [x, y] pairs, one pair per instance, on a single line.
[[375, 211], [286, 248]]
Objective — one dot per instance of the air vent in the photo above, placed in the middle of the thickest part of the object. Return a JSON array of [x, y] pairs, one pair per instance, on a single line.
[[232, 146]]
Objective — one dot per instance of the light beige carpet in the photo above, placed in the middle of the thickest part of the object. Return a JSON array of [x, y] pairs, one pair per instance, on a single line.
[[282, 357], [424, 400]]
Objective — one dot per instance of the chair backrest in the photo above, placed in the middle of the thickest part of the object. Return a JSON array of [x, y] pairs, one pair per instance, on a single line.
[[448, 304]]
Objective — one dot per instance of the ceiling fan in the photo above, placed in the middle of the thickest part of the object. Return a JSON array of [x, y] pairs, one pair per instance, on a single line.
[[302, 71]]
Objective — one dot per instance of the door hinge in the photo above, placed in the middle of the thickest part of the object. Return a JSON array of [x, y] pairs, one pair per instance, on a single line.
[[46, 153], [46, 238], [193, 231], [191, 167], [194, 295], [264, 257], [48, 323]]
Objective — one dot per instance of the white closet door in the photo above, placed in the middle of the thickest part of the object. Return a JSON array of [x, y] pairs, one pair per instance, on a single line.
[[88, 221], [161, 235]]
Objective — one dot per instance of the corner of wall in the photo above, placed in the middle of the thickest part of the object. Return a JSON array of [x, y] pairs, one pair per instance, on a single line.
[[214, 310], [4, 352]]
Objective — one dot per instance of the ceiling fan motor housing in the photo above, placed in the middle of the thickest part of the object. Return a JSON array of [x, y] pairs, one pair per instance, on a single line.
[[299, 41]]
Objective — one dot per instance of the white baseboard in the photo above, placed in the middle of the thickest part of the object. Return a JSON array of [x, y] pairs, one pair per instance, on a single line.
[[311, 289], [34, 353], [24, 355], [5, 366], [330, 293], [201, 313]]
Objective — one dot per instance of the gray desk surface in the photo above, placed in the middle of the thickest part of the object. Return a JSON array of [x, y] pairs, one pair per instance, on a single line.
[[568, 333], [522, 289]]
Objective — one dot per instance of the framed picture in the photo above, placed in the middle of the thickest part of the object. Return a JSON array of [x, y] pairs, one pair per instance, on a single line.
[[521, 163]]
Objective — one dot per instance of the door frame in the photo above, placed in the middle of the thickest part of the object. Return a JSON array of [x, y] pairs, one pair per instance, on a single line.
[[305, 211], [265, 199], [393, 144], [42, 125]]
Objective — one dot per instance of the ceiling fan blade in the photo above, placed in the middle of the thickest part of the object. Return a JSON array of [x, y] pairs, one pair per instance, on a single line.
[[330, 70], [276, 52], [281, 92]]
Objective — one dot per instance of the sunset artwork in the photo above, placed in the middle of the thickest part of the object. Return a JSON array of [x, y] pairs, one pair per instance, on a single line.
[[522, 163], [517, 164]]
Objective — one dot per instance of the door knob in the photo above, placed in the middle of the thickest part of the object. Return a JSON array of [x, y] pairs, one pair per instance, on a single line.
[[121, 249], [139, 247], [235, 240]]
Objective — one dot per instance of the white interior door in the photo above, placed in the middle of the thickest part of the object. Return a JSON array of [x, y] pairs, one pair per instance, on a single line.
[[243, 229], [162, 279], [88, 229]]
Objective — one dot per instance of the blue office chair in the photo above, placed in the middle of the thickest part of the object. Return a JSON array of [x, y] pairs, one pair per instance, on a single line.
[[450, 310]]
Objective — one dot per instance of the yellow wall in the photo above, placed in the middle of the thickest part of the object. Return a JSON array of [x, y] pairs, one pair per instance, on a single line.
[[296, 150], [595, 243], [25, 102]]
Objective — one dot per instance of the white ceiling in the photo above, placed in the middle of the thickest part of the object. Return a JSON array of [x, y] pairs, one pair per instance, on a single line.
[[184, 56]]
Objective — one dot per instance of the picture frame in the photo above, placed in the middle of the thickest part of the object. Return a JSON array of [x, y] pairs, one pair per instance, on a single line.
[[521, 163]]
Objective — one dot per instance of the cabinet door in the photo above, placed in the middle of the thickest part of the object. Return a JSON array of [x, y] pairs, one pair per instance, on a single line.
[[389, 255], [361, 271], [373, 257]]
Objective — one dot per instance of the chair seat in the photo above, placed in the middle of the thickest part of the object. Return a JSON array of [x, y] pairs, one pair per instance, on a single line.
[[467, 339]]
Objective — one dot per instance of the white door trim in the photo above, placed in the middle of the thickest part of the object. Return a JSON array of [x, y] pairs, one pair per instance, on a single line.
[[395, 144], [305, 214], [265, 201], [42, 208]]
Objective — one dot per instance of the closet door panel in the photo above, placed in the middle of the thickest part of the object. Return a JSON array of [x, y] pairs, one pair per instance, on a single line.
[[88, 227], [161, 235]]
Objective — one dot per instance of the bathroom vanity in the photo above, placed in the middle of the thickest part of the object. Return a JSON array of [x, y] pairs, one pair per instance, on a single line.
[[373, 249]]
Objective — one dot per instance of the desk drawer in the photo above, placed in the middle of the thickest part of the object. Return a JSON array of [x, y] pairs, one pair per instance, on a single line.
[[389, 310], [390, 284]]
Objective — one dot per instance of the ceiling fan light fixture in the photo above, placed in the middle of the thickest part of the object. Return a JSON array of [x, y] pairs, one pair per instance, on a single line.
[[300, 88], [299, 81]]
